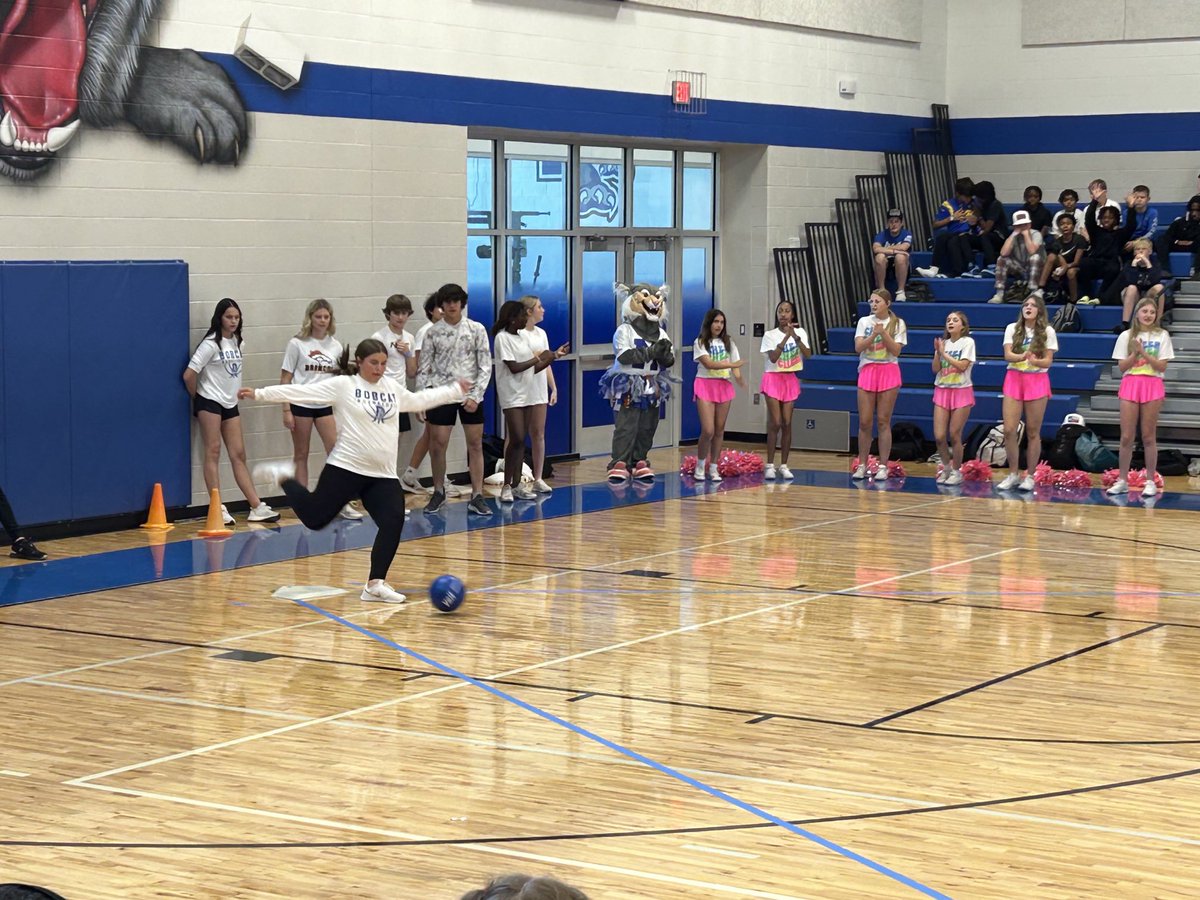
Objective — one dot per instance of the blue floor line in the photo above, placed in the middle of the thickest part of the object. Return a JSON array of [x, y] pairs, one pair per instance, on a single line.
[[259, 545], [633, 754]]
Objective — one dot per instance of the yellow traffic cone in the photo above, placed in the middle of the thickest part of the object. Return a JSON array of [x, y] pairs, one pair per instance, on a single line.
[[215, 526], [157, 520]]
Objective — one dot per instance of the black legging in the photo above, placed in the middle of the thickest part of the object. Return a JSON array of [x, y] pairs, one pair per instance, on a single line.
[[516, 426], [382, 497], [7, 519]]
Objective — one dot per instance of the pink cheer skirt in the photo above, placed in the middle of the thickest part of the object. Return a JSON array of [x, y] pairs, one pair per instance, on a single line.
[[714, 390], [1142, 388], [954, 398], [1026, 386], [877, 377], [781, 386]]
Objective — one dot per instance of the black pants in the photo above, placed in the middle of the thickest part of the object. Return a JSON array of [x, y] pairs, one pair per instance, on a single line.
[[1092, 268], [7, 519], [382, 497], [952, 253]]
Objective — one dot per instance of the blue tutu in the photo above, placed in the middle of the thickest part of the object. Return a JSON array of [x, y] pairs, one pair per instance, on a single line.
[[616, 386]]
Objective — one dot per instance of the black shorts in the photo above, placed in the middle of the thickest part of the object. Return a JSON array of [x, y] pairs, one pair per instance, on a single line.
[[405, 422], [446, 415], [305, 413], [203, 404]]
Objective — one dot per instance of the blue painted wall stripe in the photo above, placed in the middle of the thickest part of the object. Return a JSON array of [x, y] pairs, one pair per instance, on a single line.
[[363, 93], [1117, 133]]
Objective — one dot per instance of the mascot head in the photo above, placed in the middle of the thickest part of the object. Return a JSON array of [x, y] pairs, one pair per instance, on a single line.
[[643, 301]]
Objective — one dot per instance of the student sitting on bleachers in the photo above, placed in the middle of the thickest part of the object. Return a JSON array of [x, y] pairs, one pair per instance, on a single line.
[[1144, 218], [1023, 253], [1140, 278], [1038, 214], [891, 249], [1069, 199], [951, 246], [1063, 256], [991, 227], [1183, 237], [1103, 258], [1099, 192]]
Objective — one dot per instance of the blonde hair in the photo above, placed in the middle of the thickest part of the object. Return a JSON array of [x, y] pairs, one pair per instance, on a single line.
[[1040, 323], [893, 322], [306, 325], [1142, 244], [1136, 329], [962, 317]]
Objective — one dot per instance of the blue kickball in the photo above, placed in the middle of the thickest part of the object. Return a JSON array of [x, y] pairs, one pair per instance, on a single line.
[[447, 593]]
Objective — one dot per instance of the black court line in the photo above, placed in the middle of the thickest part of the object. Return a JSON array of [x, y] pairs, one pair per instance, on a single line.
[[603, 835], [997, 680]]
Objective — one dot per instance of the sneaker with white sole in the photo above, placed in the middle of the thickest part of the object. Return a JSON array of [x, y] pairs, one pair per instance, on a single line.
[[785, 472], [881, 473], [520, 492], [1039, 293], [24, 548], [859, 473], [452, 490], [714, 474], [955, 477], [1120, 486], [381, 592], [1149, 489], [436, 501], [226, 515], [1010, 482], [1026, 484], [997, 297], [541, 487], [942, 476], [928, 271], [410, 481], [769, 472], [274, 473], [478, 506], [698, 472], [506, 494], [351, 512], [262, 513], [900, 296]]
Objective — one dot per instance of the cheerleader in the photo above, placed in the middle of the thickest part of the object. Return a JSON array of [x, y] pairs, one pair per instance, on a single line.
[[953, 395], [1029, 345], [785, 347], [878, 340], [1142, 354]]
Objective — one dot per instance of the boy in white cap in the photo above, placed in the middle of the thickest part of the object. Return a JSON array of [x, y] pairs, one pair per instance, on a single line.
[[1023, 253]]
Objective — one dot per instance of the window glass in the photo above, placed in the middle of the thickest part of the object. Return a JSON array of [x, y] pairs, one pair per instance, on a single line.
[[481, 304], [698, 192], [538, 265], [480, 185], [601, 187], [653, 189], [537, 185]]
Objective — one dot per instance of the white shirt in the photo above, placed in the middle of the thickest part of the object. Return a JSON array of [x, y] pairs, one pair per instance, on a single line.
[[1080, 223], [876, 352], [948, 376], [717, 351], [310, 360], [397, 361], [513, 389], [1010, 333], [539, 341], [421, 336], [367, 416], [790, 357], [1157, 345], [219, 370]]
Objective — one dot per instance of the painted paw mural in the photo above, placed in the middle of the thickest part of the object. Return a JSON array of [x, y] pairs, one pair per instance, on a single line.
[[64, 63]]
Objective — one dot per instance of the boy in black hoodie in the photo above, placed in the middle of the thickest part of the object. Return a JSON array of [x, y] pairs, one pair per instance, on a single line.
[[1103, 257], [1140, 278], [1183, 237]]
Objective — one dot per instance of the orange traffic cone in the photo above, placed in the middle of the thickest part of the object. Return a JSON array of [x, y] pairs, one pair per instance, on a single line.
[[157, 543], [215, 526], [157, 520]]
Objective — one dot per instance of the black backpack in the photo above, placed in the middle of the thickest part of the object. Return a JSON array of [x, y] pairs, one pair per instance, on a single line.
[[908, 442], [1066, 321], [1061, 453], [1016, 292], [919, 292], [973, 439]]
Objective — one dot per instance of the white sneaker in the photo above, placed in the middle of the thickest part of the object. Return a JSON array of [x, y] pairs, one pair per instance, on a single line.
[[1009, 482], [274, 473], [713, 473], [506, 494], [859, 473], [349, 511], [900, 298], [1026, 484], [928, 271], [769, 472], [1120, 486], [520, 492], [262, 513], [955, 477], [997, 297], [226, 517], [541, 487], [381, 592], [411, 482], [698, 474], [1149, 489], [452, 490], [942, 476], [881, 473], [785, 472], [1039, 293]]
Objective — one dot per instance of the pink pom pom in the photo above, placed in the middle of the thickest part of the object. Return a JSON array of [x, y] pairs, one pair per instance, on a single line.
[[688, 467], [895, 470], [1109, 478], [739, 462], [1044, 475], [976, 470], [1076, 479]]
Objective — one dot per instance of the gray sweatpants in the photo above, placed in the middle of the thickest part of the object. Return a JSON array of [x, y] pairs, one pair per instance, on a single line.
[[633, 435]]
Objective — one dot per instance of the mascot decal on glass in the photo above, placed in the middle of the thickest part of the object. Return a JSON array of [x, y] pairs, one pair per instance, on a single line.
[[67, 63]]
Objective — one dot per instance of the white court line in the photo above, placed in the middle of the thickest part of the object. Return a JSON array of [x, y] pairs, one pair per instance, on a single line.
[[383, 704], [1112, 556], [494, 850], [719, 850]]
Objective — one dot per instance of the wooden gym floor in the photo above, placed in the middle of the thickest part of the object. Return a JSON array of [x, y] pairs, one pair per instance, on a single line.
[[815, 690]]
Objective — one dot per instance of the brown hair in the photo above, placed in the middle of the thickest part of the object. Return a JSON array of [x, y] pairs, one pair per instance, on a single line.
[[962, 316]]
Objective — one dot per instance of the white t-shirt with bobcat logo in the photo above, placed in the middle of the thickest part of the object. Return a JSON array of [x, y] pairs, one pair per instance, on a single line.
[[309, 360], [218, 369]]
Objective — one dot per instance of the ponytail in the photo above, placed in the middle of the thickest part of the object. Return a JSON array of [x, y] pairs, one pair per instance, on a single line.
[[365, 348]]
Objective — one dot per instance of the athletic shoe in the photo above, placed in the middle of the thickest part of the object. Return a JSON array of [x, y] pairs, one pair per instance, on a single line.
[[411, 482], [928, 272], [997, 297], [541, 487], [1089, 301], [226, 515], [506, 494], [23, 548], [942, 476], [274, 473], [452, 490], [698, 473], [881, 473], [642, 471], [900, 297], [381, 592], [1026, 484], [769, 472], [478, 506], [714, 473], [436, 502], [860, 473], [1039, 293], [1009, 483], [955, 477], [1120, 486], [262, 513], [1149, 489], [520, 492], [618, 473], [349, 511], [785, 472]]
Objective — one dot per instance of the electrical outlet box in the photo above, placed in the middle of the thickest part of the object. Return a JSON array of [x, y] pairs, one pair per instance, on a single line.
[[743, 329], [760, 329], [757, 397]]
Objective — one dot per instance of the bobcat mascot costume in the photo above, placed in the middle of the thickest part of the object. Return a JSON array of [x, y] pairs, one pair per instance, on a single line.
[[636, 384]]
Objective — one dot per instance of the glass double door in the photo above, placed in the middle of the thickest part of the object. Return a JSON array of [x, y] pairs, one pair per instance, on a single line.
[[605, 261]]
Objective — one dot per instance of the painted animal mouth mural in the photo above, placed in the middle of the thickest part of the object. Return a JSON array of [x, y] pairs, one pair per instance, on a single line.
[[64, 63]]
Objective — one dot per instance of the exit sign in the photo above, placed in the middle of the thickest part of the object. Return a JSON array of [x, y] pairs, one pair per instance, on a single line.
[[681, 93]]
